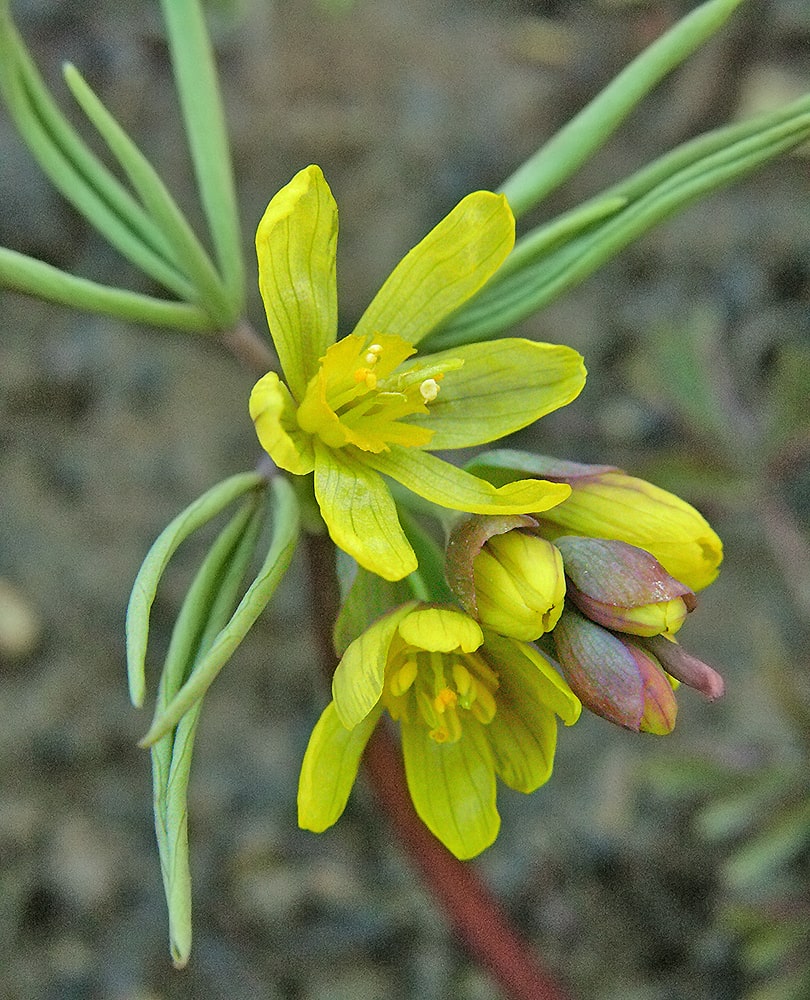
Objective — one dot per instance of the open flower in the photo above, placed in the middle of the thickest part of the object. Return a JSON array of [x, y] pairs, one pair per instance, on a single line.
[[471, 706], [355, 409]]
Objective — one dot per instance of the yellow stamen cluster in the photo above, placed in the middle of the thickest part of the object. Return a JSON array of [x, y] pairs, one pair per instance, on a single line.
[[439, 689], [362, 396]]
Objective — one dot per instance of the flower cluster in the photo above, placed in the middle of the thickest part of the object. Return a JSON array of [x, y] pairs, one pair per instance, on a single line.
[[603, 564]]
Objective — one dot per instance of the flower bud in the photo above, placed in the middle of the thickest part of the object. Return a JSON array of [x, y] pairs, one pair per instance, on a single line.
[[519, 585], [613, 505], [623, 587], [606, 503], [684, 667], [614, 677], [510, 579]]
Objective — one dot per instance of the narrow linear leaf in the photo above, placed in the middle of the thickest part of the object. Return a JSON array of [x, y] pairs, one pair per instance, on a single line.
[[503, 303], [76, 172], [208, 604], [576, 141], [17, 62], [198, 89], [541, 240], [285, 536], [146, 582], [21, 273], [186, 248]]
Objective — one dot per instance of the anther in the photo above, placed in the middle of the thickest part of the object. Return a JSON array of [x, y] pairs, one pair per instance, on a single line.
[[402, 680], [429, 389], [367, 376], [445, 699]]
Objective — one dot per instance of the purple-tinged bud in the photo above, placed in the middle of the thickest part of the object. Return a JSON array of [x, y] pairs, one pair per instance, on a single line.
[[623, 587], [613, 677], [684, 667], [511, 580]]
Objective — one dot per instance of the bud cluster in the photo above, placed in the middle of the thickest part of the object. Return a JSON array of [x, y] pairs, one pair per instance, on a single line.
[[609, 576]]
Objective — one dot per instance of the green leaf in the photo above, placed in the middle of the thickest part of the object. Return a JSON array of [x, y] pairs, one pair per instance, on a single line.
[[576, 141], [21, 273], [198, 89], [204, 509], [284, 539], [654, 193], [75, 171], [186, 248], [329, 768], [208, 604], [754, 866]]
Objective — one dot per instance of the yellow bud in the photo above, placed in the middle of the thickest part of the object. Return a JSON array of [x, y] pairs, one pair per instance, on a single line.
[[519, 585], [616, 506]]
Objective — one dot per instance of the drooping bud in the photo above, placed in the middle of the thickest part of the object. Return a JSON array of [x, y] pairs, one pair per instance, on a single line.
[[606, 503], [623, 587], [684, 667], [614, 677], [508, 578]]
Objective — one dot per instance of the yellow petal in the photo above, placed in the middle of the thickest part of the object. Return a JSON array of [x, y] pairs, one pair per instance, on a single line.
[[450, 264], [273, 412], [448, 486], [360, 513], [441, 630], [295, 245]]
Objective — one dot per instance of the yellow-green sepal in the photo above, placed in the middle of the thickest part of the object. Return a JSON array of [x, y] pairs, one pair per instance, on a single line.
[[360, 513], [445, 269], [452, 786], [296, 242], [503, 385], [448, 486], [539, 681], [358, 680], [329, 768]]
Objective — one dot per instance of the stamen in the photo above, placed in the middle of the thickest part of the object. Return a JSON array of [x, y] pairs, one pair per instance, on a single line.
[[483, 708], [446, 698], [463, 679], [429, 389], [367, 376], [403, 679]]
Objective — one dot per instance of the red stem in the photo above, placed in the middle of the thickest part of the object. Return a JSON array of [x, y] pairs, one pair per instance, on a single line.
[[474, 913]]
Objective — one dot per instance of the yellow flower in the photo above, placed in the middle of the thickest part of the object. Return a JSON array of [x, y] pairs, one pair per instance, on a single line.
[[471, 705], [363, 407]]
